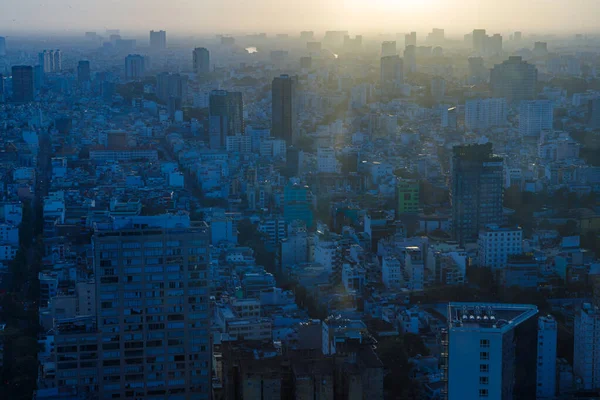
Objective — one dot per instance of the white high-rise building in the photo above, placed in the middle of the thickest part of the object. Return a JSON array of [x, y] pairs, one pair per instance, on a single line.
[[534, 117], [391, 273], [483, 114], [586, 354], [496, 243], [326, 161], [546, 358], [483, 358]]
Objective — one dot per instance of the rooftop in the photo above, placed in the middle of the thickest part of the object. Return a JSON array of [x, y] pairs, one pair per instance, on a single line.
[[489, 316]]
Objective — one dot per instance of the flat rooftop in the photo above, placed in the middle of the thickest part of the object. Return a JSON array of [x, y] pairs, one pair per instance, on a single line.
[[488, 316]]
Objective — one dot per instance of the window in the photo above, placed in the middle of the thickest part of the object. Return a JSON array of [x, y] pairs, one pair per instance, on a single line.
[[484, 355], [483, 393], [484, 343], [484, 368], [484, 380]]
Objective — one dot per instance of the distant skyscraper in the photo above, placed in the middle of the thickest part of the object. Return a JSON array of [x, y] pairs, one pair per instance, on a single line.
[[586, 354], [2, 46], [83, 72], [517, 36], [540, 49], [305, 62], [438, 88], [392, 71], [226, 117], [297, 204], [475, 190], [38, 77], [171, 85], [134, 66], [479, 38], [201, 57], [57, 61], [482, 114], [307, 35], [46, 60], [534, 117], [388, 49], [2, 91], [594, 113], [491, 351], [514, 79], [22, 83], [410, 58], [158, 40], [546, 354], [283, 115], [478, 73], [493, 45], [410, 39]]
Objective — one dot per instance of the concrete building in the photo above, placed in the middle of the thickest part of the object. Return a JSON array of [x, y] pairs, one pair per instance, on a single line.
[[487, 353], [226, 117], [388, 48], [534, 117], [158, 40], [496, 243], [475, 191], [284, 108], [408, 196], [391, 71], [201, 60], [482, 114], [391, 273], [146, 347], [514, 79], [546, 354], [326, 160], [134, 67], [22, 81], [586, 354], [410, 39]]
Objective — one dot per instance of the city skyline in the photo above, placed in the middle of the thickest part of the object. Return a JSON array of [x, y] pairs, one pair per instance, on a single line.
[[244, 16]]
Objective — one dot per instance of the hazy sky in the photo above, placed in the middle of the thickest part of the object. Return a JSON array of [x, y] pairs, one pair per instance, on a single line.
[[358, 16]]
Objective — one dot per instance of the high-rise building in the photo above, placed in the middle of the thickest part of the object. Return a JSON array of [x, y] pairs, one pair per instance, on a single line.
[[546, 357], [534, 117], [47, 59], [305, 63], [83, 72], [475, 190], [391, 71], [479, 38], [496, 243], [478, 73], [436, 36], [1, 88], [22, 83], [307, 35], [540, 49], [514, 79], [410, 39], [489, 353], [57, 61], [134, 67], [594, 113], [438, 88], [493, 45], [517, 36], [388, 48], [2, 46], [226, 117], [150, 335], [481, 114], [410, 58], [158, 40], [283, 117], [586, 354], [201, 57], [297, 204], [171, 85]]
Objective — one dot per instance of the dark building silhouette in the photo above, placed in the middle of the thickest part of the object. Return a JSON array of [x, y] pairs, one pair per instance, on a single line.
[[283, 117], [22, 76], [201, 57], [514, 79], [170, 85], [158, 40], [476, 190], [226, 117], [83, 72]]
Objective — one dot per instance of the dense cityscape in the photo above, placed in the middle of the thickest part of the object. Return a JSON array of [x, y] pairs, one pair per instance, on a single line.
[[309, 215]]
